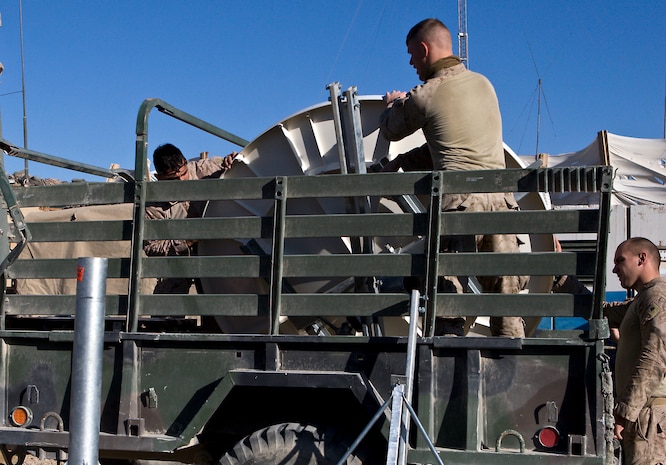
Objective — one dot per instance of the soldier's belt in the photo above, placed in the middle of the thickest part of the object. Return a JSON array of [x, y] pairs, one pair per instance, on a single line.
[[654, 401]]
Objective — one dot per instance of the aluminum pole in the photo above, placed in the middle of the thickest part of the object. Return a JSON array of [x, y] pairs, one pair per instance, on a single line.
[[85, 402], [25, 113]]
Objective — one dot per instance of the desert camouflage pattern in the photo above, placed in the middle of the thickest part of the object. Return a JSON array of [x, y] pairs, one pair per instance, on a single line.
[[198, 169], [499, 326], [641, 374]]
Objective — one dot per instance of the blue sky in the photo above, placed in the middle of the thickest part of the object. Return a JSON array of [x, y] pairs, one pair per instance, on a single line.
[[244, 66]]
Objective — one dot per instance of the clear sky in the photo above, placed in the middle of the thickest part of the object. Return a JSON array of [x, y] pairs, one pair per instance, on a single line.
[[245, 66]]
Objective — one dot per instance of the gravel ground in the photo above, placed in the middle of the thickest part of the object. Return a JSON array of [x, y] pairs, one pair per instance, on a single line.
[[32, 460]]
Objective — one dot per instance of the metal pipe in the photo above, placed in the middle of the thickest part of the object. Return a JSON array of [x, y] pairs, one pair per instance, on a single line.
[[39, 157], [334, 89], [419, 425], [277, 254], [84, 410], [409, 372], [25, 114]]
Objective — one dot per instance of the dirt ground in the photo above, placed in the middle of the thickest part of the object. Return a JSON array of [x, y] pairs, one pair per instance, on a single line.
[[32, 460]]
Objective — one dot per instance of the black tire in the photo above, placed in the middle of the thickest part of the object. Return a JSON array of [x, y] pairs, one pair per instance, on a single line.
[[292, 444]]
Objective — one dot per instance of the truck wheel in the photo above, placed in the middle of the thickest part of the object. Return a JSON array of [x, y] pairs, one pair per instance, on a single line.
[[292, 444]]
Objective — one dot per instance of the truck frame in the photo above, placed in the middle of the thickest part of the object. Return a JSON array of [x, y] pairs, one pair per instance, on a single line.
[[173, 389]]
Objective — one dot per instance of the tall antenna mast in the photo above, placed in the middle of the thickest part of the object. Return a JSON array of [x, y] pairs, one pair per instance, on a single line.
[[25, 116], [462, 31], [538, 118]]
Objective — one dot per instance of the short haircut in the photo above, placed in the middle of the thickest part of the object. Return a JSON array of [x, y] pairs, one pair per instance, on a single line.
[[168, 158], [427, 29], [638, 244]]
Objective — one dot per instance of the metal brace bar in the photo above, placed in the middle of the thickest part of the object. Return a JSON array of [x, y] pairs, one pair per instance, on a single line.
[[278, 252], [17, 218], [39, 157], [395, 439], [401, 396]]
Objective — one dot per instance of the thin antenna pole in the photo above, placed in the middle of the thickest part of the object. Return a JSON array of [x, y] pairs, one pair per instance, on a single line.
[[462, 32], [25, 115], [538, 118]]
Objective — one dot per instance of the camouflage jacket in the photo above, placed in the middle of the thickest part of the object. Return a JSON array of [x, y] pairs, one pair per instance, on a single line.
[[641, 353], [460, 117], [198, 169]]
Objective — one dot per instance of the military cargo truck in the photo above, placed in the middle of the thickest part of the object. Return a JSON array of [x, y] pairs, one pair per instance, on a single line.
[[345, 366]]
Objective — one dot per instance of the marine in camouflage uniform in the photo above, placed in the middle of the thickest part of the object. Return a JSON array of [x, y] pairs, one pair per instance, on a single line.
[[459, 114], [640, 410], [195, 169]]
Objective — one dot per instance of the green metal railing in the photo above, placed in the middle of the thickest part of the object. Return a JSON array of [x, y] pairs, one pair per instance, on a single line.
[[277, 267]]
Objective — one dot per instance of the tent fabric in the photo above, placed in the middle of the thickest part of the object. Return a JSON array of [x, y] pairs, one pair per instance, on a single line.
[[639, 166], [110, 249]]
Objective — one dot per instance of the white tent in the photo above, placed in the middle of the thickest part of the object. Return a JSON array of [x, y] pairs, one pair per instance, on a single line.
[[639, 165], [639, 192]]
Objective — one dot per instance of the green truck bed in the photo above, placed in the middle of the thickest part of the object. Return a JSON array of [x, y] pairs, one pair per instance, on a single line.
[[175, 387]]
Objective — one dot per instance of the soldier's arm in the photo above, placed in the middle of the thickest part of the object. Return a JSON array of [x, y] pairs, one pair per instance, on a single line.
[[417, 159], [166, 247], [402, 117], [650, 368], [614, 312], [162, 247]]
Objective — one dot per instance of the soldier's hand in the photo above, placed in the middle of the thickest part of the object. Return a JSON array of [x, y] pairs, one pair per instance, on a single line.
[[558, 246], [619, 427], [229, 160], [392, 96]]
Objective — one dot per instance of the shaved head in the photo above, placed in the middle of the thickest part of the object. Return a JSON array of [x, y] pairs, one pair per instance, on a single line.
[[636, 245], [428, 42], [433, 32], [636, 263]]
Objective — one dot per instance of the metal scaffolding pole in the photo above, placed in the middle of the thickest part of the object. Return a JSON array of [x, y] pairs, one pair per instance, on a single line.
[[87, 362]]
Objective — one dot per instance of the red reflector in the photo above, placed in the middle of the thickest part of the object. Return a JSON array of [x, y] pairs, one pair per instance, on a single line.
[[549, 437]]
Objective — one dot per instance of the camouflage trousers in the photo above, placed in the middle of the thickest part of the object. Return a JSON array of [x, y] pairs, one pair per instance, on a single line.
[[174, 286], [644, 441], [499, 326]]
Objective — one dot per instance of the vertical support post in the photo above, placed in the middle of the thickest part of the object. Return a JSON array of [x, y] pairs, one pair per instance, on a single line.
[[87, 361], [349, 136], [409, 372], [141, 176], [355, 156], [605, 182], [474, 394], [334, 90], [432, 253], [277, 257], [356, 153]]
